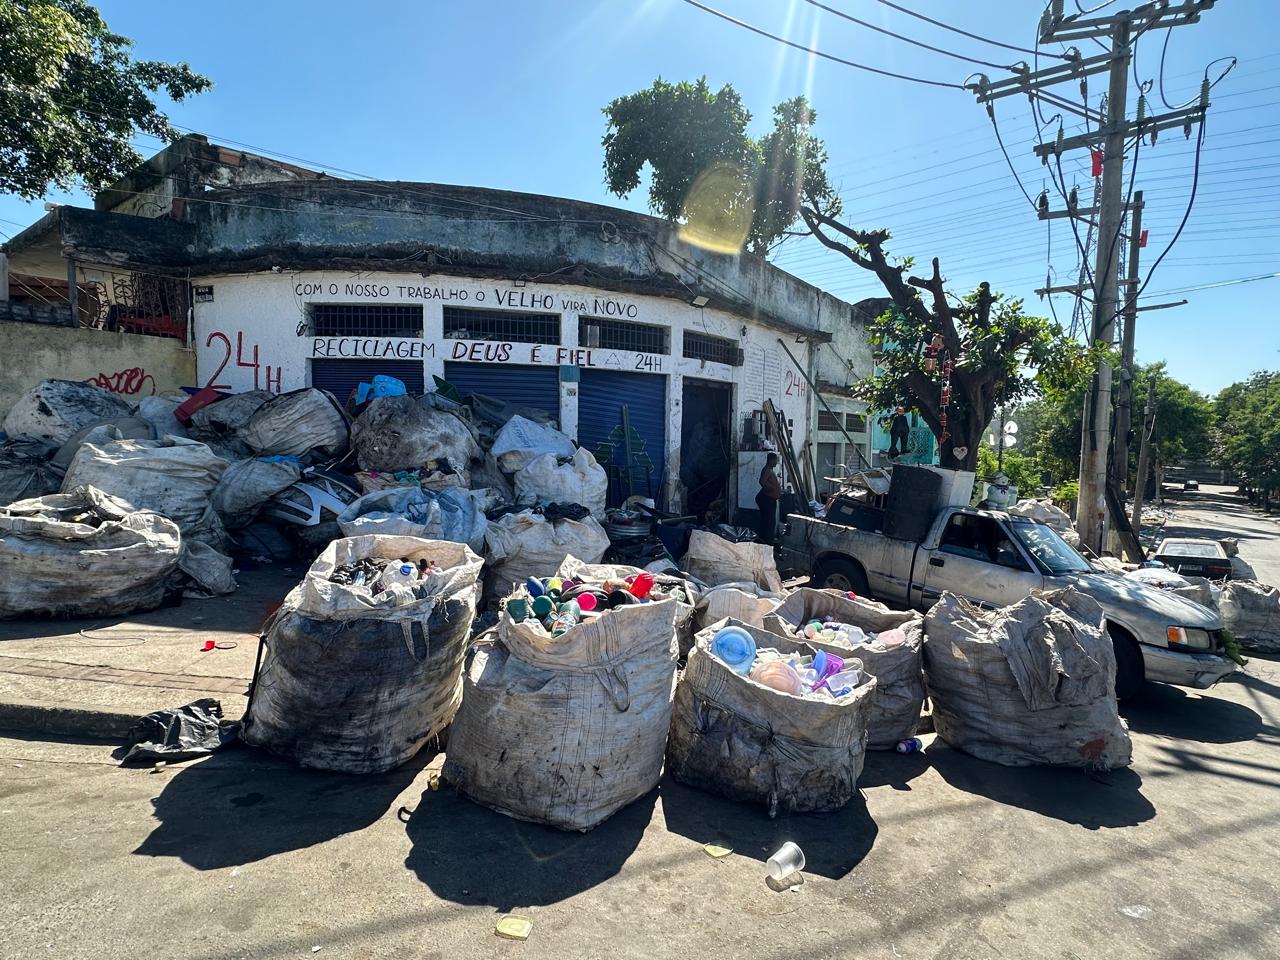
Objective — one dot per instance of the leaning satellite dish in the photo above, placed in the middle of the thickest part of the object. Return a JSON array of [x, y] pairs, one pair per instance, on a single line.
[[1010, 440], [1010, 427]]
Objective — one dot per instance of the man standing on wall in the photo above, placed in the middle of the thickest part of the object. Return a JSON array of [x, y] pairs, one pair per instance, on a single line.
[[767, 499], [899, 432]]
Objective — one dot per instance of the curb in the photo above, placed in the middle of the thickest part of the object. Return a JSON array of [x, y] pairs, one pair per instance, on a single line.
[[67, 720]]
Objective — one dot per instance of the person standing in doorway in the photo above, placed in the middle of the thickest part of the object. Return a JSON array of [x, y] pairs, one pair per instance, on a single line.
[[767, 499], [899, 432]]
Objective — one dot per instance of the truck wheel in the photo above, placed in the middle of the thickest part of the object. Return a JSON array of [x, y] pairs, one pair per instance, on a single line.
[[1130, 670], [840, 574]]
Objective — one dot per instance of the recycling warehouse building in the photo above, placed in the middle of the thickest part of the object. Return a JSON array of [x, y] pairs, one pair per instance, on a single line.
[[280, 277]]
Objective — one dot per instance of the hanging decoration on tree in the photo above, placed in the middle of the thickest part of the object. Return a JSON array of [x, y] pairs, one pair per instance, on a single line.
[[947, 366], [931, 353]]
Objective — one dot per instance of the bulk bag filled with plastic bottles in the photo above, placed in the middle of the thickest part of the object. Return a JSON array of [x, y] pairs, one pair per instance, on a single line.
[[735, 736], [566, 730], [1030, 683], [890, 648], [355, 682]]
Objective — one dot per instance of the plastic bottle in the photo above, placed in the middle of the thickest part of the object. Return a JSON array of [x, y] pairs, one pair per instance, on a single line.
[[568, 616], [641, 586], [535, 587], [397, 574], [910, 745], [518, 608], [542, 606]]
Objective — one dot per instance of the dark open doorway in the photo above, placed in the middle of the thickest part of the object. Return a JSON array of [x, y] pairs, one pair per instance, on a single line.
[[705, 444]]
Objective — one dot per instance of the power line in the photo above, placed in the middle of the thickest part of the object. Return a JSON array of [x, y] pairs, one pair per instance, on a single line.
[[898, 36], [963, 33], [816, 52], [1235, 281]]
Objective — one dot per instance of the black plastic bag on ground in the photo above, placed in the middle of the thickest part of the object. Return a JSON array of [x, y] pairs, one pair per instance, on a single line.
[[194, 730], [26, 470]]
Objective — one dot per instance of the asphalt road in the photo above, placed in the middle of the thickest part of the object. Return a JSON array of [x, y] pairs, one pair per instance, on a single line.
[[1217, 512], [943, 855]]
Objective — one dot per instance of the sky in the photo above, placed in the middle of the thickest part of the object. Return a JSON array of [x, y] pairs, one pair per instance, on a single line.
[[508, 94]]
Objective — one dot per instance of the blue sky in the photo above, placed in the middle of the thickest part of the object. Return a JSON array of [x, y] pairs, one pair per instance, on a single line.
[[507, 93]]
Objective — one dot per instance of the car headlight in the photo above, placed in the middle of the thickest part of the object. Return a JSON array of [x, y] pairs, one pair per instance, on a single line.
[[1189, 637]]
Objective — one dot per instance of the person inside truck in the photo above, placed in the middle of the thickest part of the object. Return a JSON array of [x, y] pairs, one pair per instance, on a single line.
[[767, 499]]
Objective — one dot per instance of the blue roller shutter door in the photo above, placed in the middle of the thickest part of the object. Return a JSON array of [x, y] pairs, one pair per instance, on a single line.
[[525, 386], [601, 396], [340, 377]]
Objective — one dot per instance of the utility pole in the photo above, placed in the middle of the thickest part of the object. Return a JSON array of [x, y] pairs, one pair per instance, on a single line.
[[1110, 130], [1124, 406], [1140, 481]]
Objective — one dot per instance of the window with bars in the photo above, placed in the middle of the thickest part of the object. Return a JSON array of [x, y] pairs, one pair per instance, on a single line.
[[828, 421], [621, 335], [703, 346], [855, 422], [465, 323], [366, 320]]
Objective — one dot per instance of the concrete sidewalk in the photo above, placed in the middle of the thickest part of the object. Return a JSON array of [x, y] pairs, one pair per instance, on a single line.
[[94, 677]]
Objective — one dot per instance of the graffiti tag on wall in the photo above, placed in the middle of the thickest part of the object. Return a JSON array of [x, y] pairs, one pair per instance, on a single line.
[[130, 381]]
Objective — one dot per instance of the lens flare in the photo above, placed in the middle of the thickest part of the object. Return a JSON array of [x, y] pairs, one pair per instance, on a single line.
[[718, 210]]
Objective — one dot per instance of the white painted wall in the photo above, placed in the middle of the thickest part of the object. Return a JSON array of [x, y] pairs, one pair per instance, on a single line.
[[253, 335]]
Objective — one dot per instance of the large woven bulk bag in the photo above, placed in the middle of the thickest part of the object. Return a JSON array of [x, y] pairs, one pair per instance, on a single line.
[[715, 560], [566, 731], [1030, 683], [895, 709], [734, 736], [357, 683], [83, 554], [1251, 611]]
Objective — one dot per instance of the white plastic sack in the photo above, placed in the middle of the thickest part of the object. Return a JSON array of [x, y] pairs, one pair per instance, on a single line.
[[295, 424], [210, 571], [83, 554], [449, 514], [735, 736], [895, 708], [247, 484], [743, 602], [403, 433], [1251, 611], [1026, 684], [567, 731], [521, 441], [225, 419], [175, 477], [159, 412], [120, 428], [55, 409], [715, 560], [357, 683], [526, 544], [545, 480]]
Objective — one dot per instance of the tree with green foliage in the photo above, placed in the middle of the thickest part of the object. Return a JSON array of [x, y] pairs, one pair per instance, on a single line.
[[989, 351], [683, 132], [73, 96], [1247, 434], [1183, 427], [1022, 471]]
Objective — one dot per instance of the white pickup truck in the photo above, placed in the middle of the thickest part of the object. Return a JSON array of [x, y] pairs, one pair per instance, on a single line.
[[994, 559]]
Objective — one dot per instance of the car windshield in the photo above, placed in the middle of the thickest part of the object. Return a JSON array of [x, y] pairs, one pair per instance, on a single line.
[[1189, 548], [1053, 553]]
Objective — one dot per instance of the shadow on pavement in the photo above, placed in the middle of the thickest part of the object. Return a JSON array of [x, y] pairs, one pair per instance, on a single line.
[[1091, 800], [1169, 711], [472, 855], [242, 805], [833, 843], [887, 768]]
